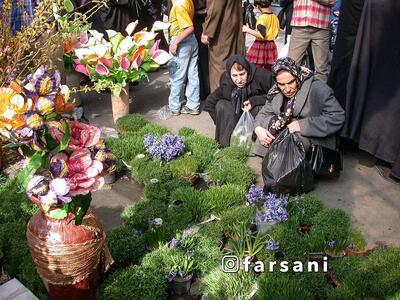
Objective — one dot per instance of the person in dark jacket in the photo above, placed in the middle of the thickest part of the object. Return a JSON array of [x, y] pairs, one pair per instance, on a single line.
[[242, 87], [301, 103]]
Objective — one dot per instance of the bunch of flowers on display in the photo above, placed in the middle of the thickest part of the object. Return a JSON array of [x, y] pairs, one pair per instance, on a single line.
[[114, 63], [65, 159], [270, 207], [167, 147]]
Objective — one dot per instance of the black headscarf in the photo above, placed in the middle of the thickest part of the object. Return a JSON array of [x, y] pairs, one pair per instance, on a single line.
[[239, 95]]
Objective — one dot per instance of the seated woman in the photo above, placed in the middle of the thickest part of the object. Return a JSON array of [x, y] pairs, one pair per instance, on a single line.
[[303, 104], [242, 87]]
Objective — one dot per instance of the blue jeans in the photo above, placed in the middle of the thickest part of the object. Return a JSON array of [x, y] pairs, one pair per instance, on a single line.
[[181, 67]]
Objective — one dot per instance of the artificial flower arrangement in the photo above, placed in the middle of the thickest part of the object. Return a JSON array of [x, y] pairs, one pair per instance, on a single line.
[[114, 63], [65, 159]]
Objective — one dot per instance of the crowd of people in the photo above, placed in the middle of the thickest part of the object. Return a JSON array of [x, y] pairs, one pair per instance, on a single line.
[[352, 93]]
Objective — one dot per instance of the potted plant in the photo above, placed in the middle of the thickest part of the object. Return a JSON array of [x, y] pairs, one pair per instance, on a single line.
[[357, 244], [181, 273], [113, 64], [185, 168], [335, 249]]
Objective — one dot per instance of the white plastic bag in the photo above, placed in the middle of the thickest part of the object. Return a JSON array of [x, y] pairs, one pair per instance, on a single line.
[[241, 135], [164, 113]]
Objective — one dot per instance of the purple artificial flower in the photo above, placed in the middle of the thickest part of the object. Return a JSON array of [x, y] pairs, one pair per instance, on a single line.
[[42, 84], [157, 222], [38, 186], [272, 245]]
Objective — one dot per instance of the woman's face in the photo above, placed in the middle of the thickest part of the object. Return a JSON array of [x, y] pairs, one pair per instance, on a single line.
[[239, 77], [286, 82]]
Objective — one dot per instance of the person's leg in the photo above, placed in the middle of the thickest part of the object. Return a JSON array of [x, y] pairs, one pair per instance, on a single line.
[[299, 41], [193, 84], [225, 122], [178, 66], [320, 50]]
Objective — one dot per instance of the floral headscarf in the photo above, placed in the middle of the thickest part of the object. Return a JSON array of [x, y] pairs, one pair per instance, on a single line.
[[277, 123], [287, 64]]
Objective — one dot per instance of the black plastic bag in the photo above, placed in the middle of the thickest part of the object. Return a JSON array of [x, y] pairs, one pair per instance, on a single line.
[[282, 17], [285, 168], [249, 16]]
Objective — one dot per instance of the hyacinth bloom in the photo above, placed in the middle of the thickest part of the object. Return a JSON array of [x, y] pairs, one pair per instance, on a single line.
[[83, 135]]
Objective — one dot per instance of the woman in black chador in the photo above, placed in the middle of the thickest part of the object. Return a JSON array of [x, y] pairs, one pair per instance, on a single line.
[[242, 87], [373, 91]]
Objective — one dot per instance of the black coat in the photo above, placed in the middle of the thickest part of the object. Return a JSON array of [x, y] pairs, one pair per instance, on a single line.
[[259, 83]]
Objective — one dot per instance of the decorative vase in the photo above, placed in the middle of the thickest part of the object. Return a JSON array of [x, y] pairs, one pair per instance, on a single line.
[[120, 104], [68, 258], [181, 285], [352, 252], [191, 179]]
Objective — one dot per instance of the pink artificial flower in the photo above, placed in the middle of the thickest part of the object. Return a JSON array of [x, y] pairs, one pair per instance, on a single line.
[[81, 69], [84, 173], [155, 47], [125, 63], [102, 69], [83, 135]]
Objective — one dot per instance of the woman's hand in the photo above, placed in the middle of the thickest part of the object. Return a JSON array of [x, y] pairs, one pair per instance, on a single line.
[[294, 127], [247, 106], [245, 28], [264, 136]]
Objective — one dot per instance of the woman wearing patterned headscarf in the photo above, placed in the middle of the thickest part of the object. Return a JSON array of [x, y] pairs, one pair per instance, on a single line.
[[301, 103]]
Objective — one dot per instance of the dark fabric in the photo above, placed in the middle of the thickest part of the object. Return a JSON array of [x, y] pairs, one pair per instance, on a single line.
[[262, 53], [373, 90], [199, 20], [258, 83], [343, 52], [288, 5]]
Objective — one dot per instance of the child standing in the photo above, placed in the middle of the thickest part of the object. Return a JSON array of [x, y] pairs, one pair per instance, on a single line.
[[263, 53], [183, 65]]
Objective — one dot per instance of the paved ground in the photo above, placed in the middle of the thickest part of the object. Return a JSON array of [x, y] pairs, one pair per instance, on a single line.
[[372, 203]]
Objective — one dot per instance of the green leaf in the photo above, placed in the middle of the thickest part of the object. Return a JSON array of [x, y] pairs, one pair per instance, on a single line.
[[58, 214], [82, 204], [12, 145], [33, 165], [65, 140], [69, 6]]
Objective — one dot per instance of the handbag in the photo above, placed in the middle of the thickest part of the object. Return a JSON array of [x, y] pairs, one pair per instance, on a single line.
[[325, 161], [282, 17]]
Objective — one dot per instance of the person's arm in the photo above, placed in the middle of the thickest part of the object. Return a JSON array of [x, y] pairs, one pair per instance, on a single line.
[[215, 9], [284, 3], [329, 3], [256, 33], [180, 37], [331, 119]]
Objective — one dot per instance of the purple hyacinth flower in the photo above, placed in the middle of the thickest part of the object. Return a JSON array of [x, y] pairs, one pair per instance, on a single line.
[[330, 244], [272, 245], [175, 243], [190, 254], [136, 233]]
